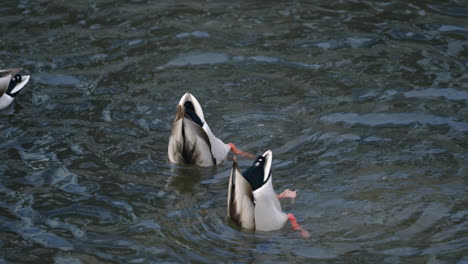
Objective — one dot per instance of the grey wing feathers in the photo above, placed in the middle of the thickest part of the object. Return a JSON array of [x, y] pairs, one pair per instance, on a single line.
[[188, 143], [240, 201], [176, 140]]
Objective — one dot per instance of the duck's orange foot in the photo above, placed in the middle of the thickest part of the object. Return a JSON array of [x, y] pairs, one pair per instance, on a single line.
[[287, 194], [237, 151], [297, 227]]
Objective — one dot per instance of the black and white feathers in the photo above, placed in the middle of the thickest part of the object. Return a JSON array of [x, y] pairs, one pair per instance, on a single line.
[[11, 83], [191, 140], [252, 201]]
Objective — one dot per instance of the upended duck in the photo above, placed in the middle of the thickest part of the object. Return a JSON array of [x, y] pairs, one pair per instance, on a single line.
[[191, 140], [252, 202], [11, 83]]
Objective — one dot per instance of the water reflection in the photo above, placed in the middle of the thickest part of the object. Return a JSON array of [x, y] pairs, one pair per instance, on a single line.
[[186, 179]]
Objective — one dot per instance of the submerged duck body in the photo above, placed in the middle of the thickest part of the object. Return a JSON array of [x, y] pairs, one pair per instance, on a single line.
[[11, 83], [191, 140], [252, 201]]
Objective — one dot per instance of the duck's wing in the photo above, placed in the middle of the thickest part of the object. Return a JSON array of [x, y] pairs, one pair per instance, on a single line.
[[195, 112], [11, 84], [240, 202], [176, 140], [219, 149], [188, 97], [21, 82], [7, 75], [188, 143], [5, 78], [268, 213]]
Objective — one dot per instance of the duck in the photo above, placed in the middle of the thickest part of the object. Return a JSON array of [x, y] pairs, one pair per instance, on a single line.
[[11, 83], [252, 202], [192, 141]]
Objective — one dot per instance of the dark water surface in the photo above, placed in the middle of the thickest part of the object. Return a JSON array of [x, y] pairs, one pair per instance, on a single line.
[[363, 103]]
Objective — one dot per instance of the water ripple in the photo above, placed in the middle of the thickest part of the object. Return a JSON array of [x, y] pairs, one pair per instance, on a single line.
[[220, 58], [448, 93], [394, 119]]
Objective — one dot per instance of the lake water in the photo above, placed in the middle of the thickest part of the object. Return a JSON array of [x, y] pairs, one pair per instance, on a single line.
[[363, 103]]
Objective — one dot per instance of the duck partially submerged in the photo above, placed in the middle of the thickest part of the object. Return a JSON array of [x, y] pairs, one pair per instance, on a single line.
[[252, 202], [191, 140], [11, 83]]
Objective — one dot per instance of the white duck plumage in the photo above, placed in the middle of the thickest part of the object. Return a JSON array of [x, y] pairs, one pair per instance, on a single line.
[[191, 140], [252, 201], [11, 83]]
